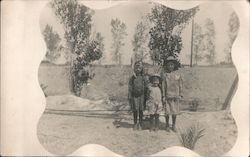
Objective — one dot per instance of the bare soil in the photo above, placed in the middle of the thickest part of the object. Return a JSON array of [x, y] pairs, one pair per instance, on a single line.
[[66, 126], [100, 115]]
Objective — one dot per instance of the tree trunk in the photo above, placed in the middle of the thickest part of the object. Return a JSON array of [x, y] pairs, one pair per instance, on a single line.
[[71, 79]]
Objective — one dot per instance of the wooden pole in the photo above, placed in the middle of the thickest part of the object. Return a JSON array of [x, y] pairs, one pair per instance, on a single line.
[[191, 59], [230, 93]]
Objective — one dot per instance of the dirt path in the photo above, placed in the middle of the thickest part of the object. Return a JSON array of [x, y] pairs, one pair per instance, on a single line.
[[62, 132]]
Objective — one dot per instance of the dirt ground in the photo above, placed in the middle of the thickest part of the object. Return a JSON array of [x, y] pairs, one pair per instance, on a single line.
[[70, 122], [67, 125]]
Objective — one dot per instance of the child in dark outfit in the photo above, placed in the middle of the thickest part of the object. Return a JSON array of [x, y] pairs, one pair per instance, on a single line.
[[136, 94]]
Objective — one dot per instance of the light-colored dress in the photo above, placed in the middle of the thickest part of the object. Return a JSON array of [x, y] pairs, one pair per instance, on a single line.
[[172, 91], [154, 102]]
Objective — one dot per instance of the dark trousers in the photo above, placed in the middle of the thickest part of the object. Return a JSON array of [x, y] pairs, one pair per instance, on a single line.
[[136, 115]]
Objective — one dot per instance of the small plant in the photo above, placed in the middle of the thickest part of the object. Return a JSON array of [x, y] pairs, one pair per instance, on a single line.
[[189, 136], [193, 105]]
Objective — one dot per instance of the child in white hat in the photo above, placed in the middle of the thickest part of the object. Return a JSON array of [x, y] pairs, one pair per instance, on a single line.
[[154, 101]]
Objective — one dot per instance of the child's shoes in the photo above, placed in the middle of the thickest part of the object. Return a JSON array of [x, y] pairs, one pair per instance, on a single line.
[[135, 126], [173, 129]]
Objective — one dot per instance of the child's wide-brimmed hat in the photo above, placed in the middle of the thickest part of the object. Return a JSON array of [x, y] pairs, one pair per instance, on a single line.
[[173, 60], [154, 78]]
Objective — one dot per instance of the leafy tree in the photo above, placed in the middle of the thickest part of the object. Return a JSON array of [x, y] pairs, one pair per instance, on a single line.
[[95, 48], [198, 44], [141, 39], [100, 44], [118, 30], [234, 25], [52, 40], [77, 19], [209, 37], [162, 40]]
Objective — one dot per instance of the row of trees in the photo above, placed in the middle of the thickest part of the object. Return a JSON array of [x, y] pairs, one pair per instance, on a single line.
[[157, 34], [204, 40], [154, 34]]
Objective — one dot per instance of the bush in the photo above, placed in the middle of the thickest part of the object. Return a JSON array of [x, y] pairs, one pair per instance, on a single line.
[[193, 105], [189, 136]]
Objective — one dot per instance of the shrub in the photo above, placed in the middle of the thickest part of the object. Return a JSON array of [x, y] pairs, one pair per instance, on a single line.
[[193, 105], [189, 136]]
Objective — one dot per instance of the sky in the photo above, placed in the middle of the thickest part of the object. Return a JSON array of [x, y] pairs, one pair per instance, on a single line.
[[131, 12]]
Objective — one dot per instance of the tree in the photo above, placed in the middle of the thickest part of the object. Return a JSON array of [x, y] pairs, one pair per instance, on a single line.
[[52, 40], [118, 30], [95, 48], [198, 45], [164, 20], [233, 25], [76, 20], [209, 37], [141, 39], [100, 44]]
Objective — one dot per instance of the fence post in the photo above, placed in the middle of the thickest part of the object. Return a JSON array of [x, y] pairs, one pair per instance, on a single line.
[[230, 93]]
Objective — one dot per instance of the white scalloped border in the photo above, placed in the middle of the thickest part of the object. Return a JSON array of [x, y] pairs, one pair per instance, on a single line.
[[23, 102]]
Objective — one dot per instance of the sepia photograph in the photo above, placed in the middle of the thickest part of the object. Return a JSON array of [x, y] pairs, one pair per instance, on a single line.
[[124, 78], [138, 78]]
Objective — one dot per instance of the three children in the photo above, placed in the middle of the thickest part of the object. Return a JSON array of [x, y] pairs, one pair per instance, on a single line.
[[163, 91]]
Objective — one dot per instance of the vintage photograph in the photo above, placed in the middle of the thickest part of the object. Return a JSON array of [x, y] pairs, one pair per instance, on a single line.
[[138, 77]]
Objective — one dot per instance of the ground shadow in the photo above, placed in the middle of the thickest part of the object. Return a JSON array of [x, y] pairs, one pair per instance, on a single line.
[[118, 123]]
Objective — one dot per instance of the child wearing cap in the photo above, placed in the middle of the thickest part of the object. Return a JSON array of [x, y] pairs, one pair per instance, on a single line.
[[154, 101], [172, 91], [136, 94]]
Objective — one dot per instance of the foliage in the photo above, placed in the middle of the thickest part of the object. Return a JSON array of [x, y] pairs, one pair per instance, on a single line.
[[209, 37], [163, 42], [190, 136], [52, 40], [118, 30], [140, 39], [94, 49], [77, 19], [198, 44], [234, 25], [100, 40]]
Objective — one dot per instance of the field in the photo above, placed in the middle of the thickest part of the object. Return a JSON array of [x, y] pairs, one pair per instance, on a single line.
[[210, 85], [70, 122]]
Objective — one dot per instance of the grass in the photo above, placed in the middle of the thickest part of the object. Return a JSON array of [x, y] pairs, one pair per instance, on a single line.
[[112, 81], [191, 135]]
